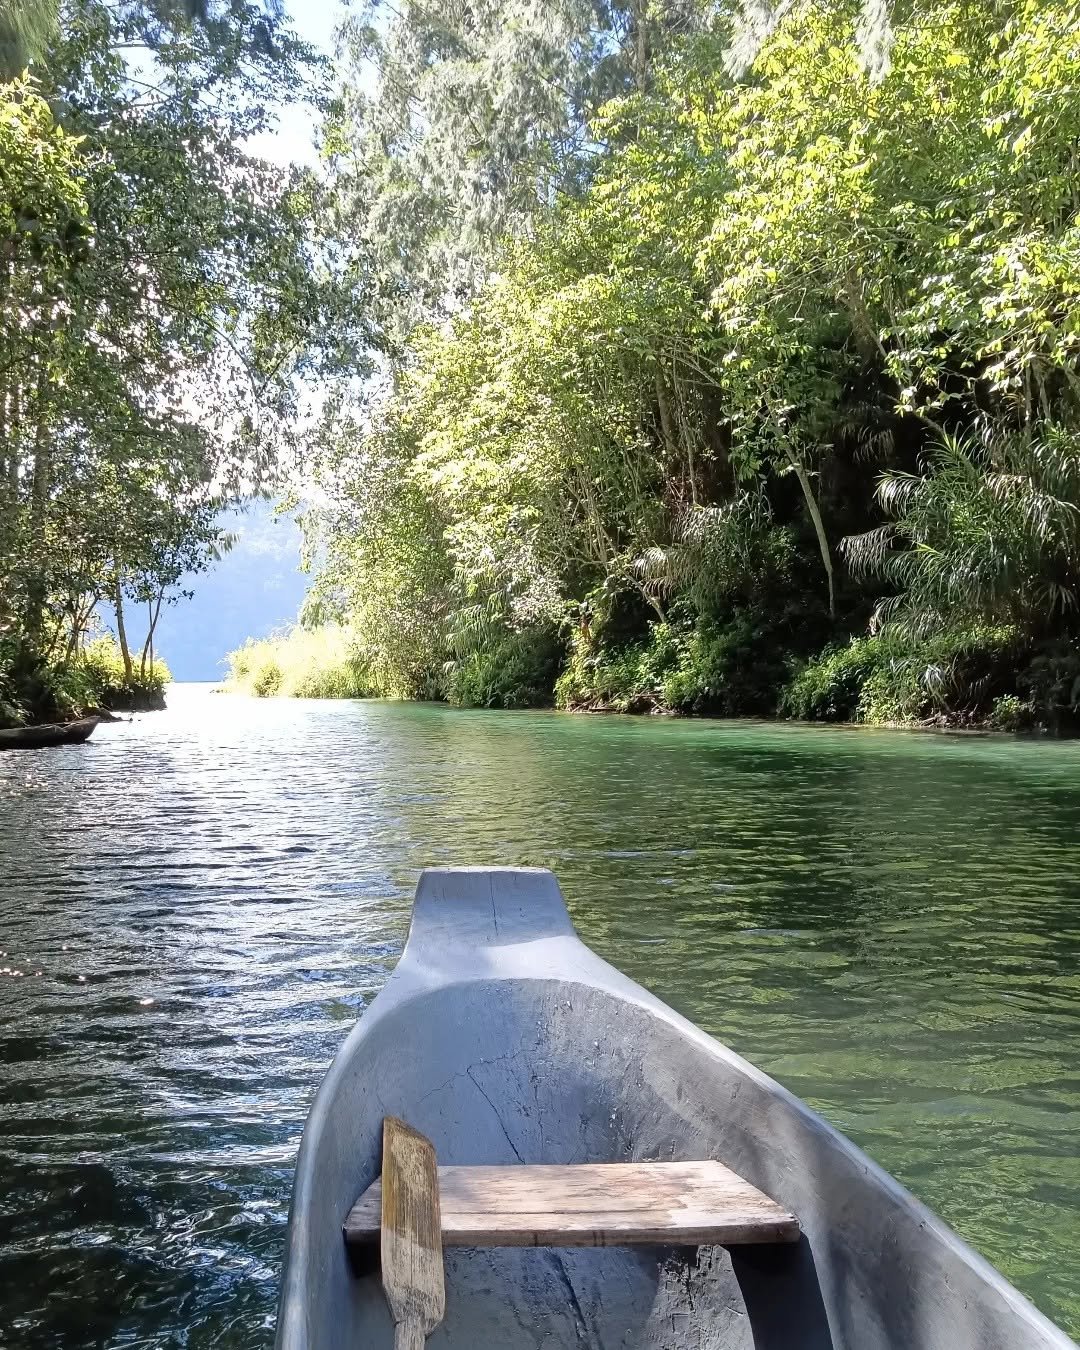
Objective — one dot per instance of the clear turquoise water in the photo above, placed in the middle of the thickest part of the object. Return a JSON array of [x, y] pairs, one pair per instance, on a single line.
[[889, 923]]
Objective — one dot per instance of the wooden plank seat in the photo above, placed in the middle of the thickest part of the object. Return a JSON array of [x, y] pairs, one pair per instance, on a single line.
[[591, 1205]]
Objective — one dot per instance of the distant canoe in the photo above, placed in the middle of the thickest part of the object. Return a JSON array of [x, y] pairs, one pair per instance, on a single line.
[[48, 735], [506, 1041]]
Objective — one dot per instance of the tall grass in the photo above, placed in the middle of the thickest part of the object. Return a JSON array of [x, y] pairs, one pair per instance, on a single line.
[[321, 662]]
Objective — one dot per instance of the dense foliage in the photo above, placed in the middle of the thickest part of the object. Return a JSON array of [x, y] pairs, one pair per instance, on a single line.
[[96, 679], [688, 389], [669, 355], [162, 294]]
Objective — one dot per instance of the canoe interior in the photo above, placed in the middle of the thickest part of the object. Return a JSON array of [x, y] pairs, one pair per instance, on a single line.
[[572, 1063]]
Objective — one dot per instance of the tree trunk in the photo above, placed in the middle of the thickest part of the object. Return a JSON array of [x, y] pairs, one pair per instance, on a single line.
[[154, 612], [14, 433], [121, 631], [867, 338], [8, 397], [594, 525], [664, 408], [81, 615], [641, 19], [38, 586], [8, 503], [674, 443], [815, 516]]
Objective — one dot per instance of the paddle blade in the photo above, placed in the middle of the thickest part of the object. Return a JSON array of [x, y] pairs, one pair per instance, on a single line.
[[412, 1260]]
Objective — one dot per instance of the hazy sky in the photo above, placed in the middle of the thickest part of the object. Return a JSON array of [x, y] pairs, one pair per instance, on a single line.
[[254, 590]]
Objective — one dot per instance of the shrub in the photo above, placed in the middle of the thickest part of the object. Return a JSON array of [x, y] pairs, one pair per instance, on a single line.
[[987, 532], [99, 676], [955, 677], [35, 690], [628, 678], [1011, 713], [266, 678], [1049, 684], [345, 678], [730, 670], [13, 708], [724, 557], [515, 670], [323, 662], [829, 687]]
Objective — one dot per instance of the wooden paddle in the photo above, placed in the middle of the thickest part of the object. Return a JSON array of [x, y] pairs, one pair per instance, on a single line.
[[412, 1259]]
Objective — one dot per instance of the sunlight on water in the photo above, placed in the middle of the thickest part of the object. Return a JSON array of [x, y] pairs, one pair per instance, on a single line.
[[201, 902]]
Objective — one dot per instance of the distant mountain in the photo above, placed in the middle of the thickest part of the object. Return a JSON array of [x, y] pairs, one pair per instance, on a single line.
[[256, 588]]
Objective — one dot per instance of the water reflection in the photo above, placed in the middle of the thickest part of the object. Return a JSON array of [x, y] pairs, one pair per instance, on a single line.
[[888, 923]]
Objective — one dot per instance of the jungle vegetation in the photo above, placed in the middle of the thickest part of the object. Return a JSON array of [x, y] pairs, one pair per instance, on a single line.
[[668, 354], [162, 294], [722, 369]]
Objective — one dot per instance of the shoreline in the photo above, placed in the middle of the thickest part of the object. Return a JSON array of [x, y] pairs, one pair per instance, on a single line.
[[936, 726]]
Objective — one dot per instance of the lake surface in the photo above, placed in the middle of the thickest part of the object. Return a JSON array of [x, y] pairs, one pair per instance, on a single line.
[[201, 902]]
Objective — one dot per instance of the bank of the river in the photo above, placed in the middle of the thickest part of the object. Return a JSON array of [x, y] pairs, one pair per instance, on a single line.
[[981, 679], [888, 923], [34, 691]]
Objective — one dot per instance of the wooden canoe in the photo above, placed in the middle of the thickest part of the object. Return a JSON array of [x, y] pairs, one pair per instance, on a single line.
[[47, 735], [506, 1041]]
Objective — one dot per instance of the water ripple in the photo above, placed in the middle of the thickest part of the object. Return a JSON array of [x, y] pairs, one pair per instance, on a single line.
[[199, 904]]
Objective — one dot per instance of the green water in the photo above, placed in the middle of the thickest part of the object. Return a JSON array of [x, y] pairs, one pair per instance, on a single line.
[[888, 923]]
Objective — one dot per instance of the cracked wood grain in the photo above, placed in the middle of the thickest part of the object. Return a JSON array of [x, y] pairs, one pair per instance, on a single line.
[[593, 1205]]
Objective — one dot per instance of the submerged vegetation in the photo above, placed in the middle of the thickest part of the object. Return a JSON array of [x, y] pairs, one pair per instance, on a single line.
[[724, 370]]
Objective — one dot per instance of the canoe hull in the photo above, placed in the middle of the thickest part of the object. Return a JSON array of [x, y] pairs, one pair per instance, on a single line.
[[504, 1039], [48, 736]]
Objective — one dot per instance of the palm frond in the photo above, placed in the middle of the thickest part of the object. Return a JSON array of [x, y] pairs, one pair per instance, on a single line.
[[988, 531]]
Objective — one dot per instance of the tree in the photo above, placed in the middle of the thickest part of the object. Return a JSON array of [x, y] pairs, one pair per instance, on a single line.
[[696, 323], [985, 534], [164, 298], [478, 123], [43, 241], [26, 28]]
